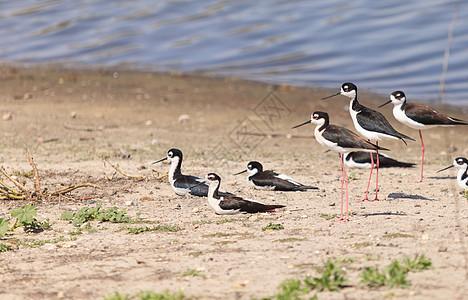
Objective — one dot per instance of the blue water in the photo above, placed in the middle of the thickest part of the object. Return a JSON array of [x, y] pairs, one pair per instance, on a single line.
[[379, 45]]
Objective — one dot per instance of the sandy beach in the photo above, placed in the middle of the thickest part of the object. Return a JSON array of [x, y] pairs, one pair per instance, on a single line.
[[70, 120]]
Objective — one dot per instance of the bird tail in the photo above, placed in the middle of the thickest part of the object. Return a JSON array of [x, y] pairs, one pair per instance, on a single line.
[[303, 188], [456, 121], [272, 207]]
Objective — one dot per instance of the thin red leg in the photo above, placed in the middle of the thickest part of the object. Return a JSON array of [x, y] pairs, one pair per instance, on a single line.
[[344, 177], [423, 149], [377, 174], [370, 176]]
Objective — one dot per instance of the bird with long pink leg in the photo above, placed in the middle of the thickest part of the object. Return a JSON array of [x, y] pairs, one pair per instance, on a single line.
[[341, 140], [371, 125], [419, 116]]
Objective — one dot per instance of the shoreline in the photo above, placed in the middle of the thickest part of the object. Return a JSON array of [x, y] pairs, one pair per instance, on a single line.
[[71, 120]]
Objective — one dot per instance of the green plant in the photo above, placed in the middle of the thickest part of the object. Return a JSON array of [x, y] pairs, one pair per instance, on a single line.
[[26, 217], [332, 278], [272, 226], [86, 214], [150, 295], [291, 289], [328, 216], [392, 275], [193, 272], [353, 176], [418, 263], [3, 227], [117, 296], [166, 228], [5, 247]]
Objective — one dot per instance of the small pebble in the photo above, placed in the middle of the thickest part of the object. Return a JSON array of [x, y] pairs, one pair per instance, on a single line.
[[129, 203]]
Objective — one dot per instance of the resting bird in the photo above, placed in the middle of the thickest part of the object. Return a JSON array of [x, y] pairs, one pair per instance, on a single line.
[[272, 180]]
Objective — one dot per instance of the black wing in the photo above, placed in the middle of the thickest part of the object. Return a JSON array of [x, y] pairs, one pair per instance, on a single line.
[[362, 157], [425, 115], [373, 120], [347, 139], [244, 205]]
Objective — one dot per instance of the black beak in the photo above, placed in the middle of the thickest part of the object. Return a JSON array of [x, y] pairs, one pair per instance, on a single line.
[[301, 124], [159, 160], [339, 93], [385, 103], [240, 172], [445, 169]]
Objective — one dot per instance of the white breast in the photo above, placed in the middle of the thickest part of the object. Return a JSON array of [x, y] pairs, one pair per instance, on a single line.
[[403, 118]]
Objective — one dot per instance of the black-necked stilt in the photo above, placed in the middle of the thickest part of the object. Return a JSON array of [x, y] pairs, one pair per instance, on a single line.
[[361, 159], [183, 184], [370, 124], [418, 116], [461, 164], [341, 140], [230, 204], [272, 180]]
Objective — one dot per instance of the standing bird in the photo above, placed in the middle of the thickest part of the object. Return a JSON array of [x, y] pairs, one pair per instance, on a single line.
[[272, 180], [183, 184], [341, 140], [229, 204], [361, 159], [461, 164], [370, 124], [418, 116]]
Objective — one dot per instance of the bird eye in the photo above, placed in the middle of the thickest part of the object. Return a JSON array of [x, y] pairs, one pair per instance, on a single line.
[[345, 88], [170, 154], [315, 117], [460, 162]]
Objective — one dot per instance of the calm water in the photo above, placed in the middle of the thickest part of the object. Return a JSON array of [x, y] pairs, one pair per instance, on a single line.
[[379, 45]]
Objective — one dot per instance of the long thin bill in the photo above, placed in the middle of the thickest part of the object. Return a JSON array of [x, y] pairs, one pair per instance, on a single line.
[[305, 123], [240, 172], [445, 169], [385, 103], [332, 96], [159, 160]]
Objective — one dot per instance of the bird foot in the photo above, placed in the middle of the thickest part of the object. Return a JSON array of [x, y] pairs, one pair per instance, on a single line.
[[417, 181], [341, 219], [367, 199]]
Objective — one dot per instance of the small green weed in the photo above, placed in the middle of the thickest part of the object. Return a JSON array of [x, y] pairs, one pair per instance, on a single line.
[[193, 272], [393, 275], [353, 176], [5, 247], [332, 278], [26, 217], [397, 235], [272, 226], [3, 227], [166, 228], [418, 263], [201, 222], [86, 214], [227, 221], [329, 216], [148, 295], [291, 239]]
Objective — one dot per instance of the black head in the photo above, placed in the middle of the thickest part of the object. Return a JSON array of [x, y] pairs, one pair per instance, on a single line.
[[398, 95], [319, 117], [460, 162], [254, 165], [211, 177], [348, 87], [172, 153]]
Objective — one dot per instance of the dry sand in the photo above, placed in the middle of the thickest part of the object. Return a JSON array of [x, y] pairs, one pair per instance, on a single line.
[[69, 120]]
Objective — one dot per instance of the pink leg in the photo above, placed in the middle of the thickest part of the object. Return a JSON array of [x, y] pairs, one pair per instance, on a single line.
[[377, 174], [423, 149], [344, 177], [370, 176]]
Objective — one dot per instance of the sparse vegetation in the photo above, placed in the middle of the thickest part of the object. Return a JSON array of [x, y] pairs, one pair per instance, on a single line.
[[397, 235], [332, 278], [85, 214], [329, 216], [272, 226], [148, 295], [166, 228], [291, 239], [394, 275], [5, 247], [193, 272]]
